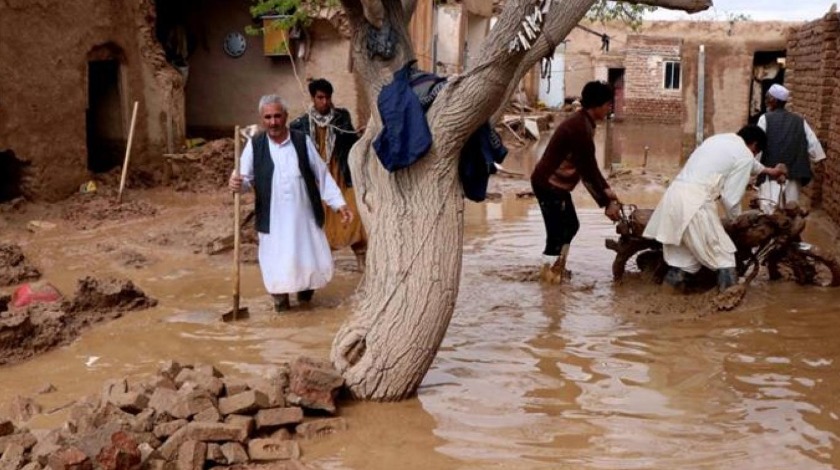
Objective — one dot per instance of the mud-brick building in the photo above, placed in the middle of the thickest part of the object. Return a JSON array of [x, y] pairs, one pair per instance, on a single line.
[[813, 76], [71, 71]]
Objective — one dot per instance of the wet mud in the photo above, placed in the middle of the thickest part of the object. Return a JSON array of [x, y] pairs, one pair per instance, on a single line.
[[588, 374], [14, 267], [89, 211], [39, 327], [204, 168]]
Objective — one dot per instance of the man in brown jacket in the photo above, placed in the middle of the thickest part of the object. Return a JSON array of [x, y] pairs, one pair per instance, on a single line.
[[568, 159]]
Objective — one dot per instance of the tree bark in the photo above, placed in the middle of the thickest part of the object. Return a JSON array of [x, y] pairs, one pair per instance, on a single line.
[[414, 216]]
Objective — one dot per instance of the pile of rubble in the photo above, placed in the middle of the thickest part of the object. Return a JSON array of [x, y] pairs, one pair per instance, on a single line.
[[14, 268], [203, 168], [188, 417], [89, 211], [35, 328]]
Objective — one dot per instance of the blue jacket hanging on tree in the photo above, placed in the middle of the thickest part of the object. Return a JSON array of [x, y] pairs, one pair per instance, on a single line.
[[405, 135]]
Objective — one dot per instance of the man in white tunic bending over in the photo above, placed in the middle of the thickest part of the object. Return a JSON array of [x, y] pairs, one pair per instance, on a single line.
[[686, 221], [290, 180]]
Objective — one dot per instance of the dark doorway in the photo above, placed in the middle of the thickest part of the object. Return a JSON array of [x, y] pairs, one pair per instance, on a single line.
[[11, 176], [105, 130], [615, 77], [768, 68]]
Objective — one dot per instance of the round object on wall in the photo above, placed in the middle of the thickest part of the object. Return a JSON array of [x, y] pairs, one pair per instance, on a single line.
[[235, 44]]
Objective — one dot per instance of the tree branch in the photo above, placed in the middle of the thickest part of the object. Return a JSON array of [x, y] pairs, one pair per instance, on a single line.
[[355, 13], [374, 12], [470, 99], [555, 31], [690, 6], [408, 7]]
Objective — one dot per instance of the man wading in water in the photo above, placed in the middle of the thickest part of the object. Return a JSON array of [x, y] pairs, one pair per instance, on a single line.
[[568, 159], [290, 181]]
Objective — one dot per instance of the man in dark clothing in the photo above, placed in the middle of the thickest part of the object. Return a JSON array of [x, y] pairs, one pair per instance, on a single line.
[[568, 159], [331, 129], [791, 141]]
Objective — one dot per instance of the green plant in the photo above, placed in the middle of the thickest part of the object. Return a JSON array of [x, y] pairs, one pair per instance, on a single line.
[[294, 12], [608, 10]]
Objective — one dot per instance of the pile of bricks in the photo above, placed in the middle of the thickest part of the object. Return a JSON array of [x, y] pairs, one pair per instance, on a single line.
[[187, 417]]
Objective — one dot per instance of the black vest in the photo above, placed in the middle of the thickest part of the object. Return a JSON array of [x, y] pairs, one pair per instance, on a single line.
[[786, 143], [264, 170]]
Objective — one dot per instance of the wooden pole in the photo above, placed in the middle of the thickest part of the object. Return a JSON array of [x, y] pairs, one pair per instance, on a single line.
[[236, 202], [127, 152]]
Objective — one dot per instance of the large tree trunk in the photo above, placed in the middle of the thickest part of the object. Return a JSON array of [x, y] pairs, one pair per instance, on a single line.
[[414, 217]]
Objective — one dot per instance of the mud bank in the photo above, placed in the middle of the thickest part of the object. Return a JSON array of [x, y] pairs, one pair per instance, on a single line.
[[191, 416], [14, 267], [35, 329], [88, 211], [204, 168]]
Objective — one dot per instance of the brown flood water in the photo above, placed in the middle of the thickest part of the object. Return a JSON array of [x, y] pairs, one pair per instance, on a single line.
[[582, 376]]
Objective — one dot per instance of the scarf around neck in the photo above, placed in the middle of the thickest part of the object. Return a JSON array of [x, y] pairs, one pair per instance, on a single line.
[[323, 121]]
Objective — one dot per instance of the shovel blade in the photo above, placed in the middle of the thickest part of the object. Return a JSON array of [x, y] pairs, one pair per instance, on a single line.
[[241, 314]]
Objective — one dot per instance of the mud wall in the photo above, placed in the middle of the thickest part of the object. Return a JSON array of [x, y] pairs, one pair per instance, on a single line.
[[730, 49], [46, 48], [645, 96], [812, 78], [224, 91]]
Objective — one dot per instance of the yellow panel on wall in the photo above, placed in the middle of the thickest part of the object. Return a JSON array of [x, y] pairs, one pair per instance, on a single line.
[[275, 38]]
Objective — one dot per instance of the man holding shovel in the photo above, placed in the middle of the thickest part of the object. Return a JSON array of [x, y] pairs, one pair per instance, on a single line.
[[290, 180]]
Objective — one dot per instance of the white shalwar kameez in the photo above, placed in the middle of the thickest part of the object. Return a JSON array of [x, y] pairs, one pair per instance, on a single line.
[[294, 256], [769, 191], [686, 220]]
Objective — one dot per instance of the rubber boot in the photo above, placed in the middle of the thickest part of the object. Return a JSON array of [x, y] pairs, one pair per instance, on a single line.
[[675, 277], [726, 278], [281, 302], [305, 295]]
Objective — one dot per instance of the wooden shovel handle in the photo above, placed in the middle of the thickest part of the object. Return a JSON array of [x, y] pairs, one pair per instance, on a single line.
[[236, 230]]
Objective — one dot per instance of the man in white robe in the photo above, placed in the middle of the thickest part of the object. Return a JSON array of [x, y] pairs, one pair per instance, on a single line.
[[294, 255], [790, 140], [686, 221]]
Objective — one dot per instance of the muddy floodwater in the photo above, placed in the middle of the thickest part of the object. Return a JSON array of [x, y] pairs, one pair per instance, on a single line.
[[588, 375]]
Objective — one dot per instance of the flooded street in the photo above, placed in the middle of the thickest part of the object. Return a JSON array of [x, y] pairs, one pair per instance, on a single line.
[[587, 375]]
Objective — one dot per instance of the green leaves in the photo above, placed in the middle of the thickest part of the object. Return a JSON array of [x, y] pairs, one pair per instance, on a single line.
[[294, 12], [608, 10]]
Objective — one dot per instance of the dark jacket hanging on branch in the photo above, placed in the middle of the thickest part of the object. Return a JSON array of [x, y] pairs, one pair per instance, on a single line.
[[406, 137]]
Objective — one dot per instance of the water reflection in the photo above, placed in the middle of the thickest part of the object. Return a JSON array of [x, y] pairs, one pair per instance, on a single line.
[[596, 386]]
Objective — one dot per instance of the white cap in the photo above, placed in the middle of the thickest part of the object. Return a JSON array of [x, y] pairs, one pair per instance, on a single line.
[[779, 92]]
